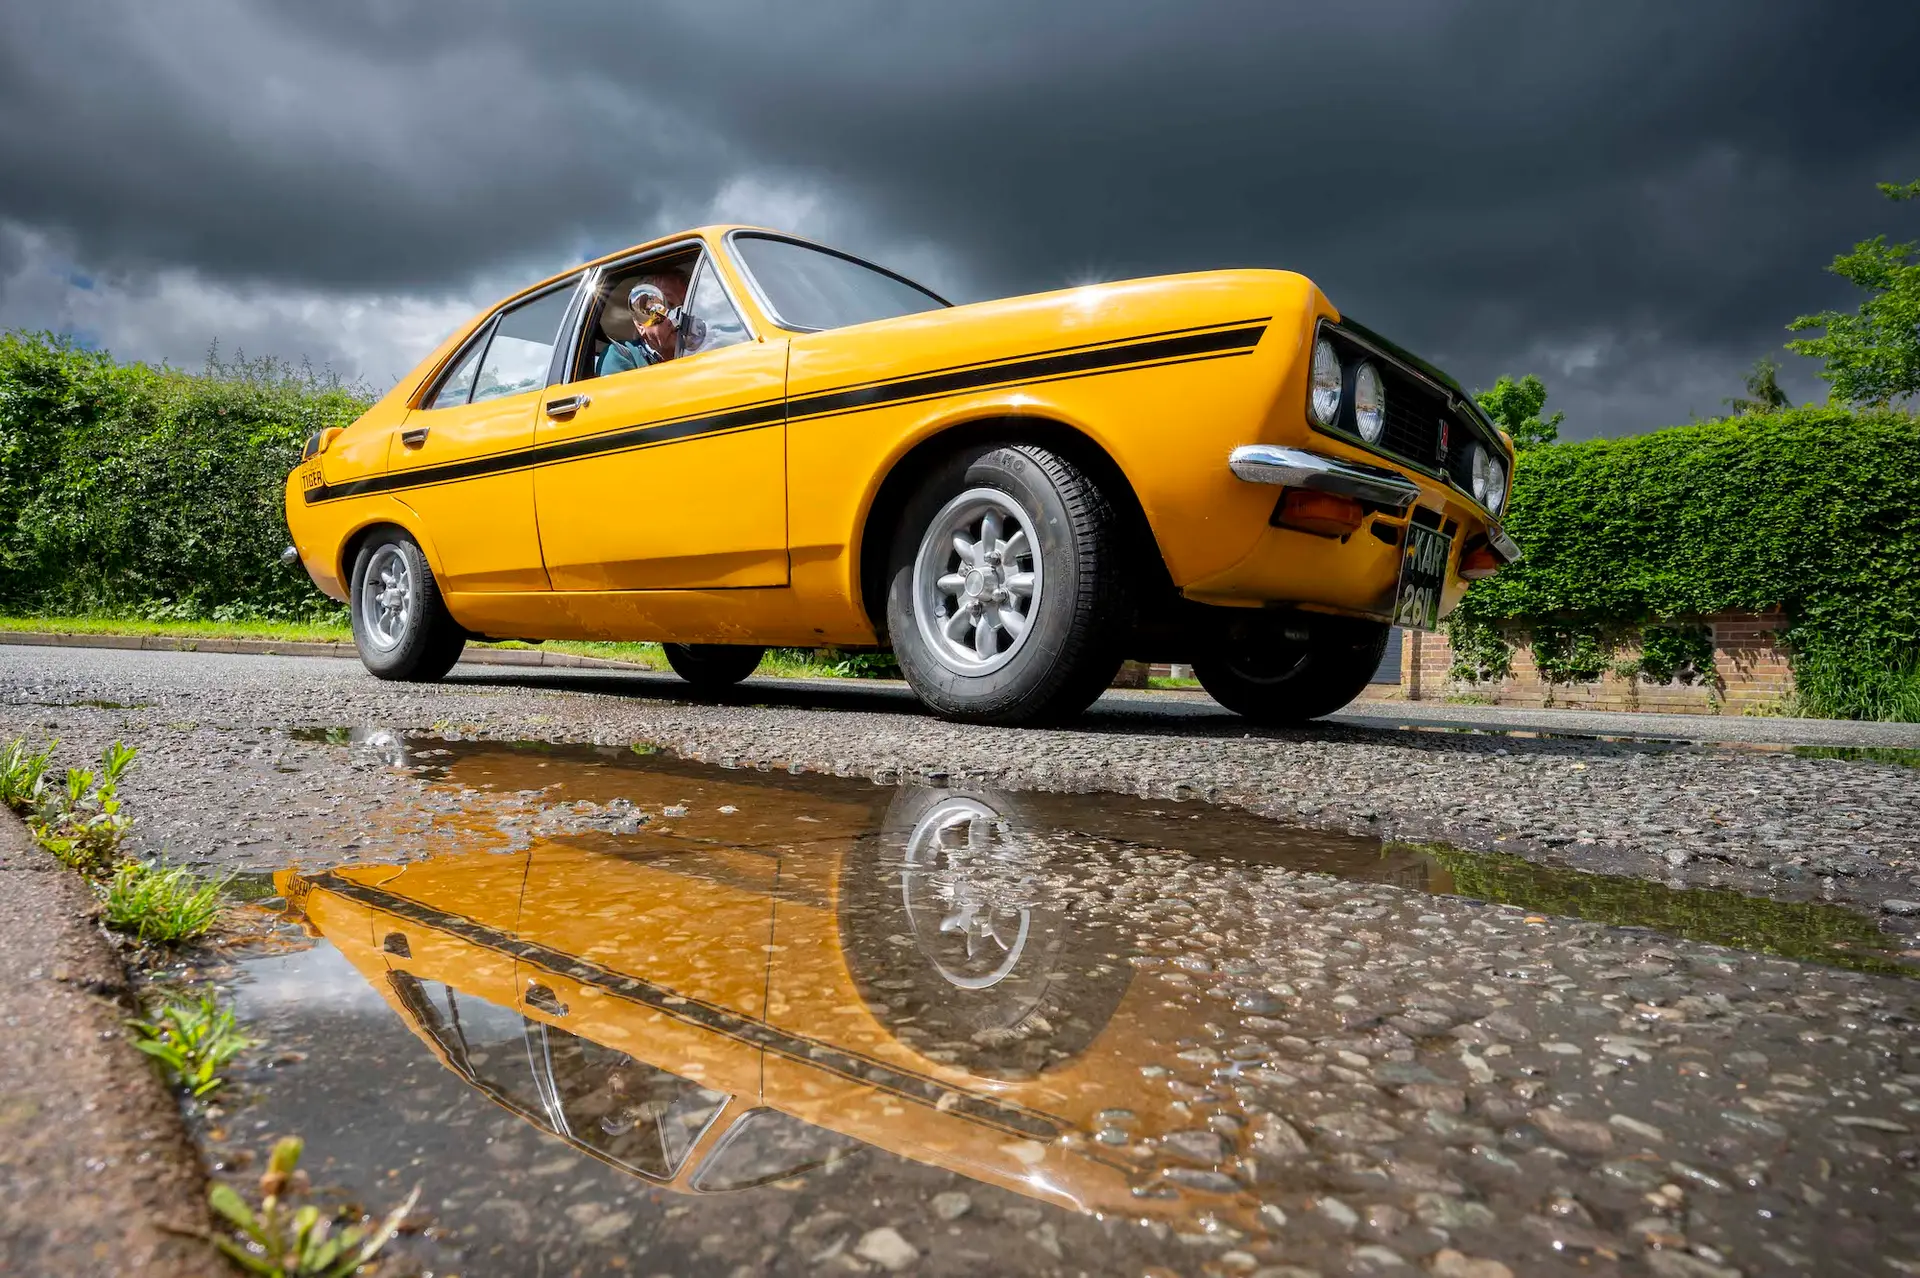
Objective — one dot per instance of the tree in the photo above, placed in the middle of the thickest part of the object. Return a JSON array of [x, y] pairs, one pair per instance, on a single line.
[[1872, 357], [1516, 407], [1763, 391]]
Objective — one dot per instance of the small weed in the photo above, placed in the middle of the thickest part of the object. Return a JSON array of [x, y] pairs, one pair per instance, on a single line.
[[23, 774], [282, 1240], [160, 905], [194, 1041], [81, 822]]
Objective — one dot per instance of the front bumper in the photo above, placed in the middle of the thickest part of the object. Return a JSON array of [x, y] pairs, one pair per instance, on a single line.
[[1353, 574], [1387, 489], [1298, 468]]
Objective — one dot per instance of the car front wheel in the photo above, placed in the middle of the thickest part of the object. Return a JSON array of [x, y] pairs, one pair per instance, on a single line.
[[1281, 678], [1007, 600], [713, 666], [400, 624]]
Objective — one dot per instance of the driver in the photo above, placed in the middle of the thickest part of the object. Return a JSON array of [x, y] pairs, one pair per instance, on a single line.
[[646, 329]]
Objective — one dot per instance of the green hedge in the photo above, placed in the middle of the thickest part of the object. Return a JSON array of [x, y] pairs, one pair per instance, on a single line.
[[1814, 510], [133, 489]]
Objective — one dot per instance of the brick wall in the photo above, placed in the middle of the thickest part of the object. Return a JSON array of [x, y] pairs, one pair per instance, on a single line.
[[1751, 666]]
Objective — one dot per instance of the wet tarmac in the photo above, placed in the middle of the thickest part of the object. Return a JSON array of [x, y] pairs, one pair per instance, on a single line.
[[637, 1014]]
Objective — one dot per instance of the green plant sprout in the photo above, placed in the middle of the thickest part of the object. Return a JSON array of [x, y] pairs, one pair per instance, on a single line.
[[282, 1240], [193, 1041], [80, 822], [168, 906], [23, 774]]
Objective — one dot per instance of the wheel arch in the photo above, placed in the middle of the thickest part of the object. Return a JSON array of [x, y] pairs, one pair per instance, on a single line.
[[905, 474], [396, 515]]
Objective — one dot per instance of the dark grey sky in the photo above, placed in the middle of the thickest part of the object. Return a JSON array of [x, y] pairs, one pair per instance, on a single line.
[[1630, 199]]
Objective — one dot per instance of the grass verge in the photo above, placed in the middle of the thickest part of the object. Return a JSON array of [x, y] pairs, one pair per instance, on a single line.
[[800, 663]]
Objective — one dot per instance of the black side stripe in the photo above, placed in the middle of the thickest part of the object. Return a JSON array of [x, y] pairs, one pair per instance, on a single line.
[[1016, 1120], [1183, 347]]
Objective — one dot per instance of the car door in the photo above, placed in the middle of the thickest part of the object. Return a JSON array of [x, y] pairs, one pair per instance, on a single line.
[[670, 476], [463, 450]]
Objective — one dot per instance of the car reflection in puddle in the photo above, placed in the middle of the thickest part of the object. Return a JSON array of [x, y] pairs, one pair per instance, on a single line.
[[864, 999], [714, 1018]]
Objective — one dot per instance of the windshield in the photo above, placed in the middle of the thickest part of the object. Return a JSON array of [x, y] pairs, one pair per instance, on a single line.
[[809, 287]]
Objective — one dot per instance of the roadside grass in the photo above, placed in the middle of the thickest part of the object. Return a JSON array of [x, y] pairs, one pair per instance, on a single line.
[[192, 1040], [22, 773], [167, 906], [797, 663], [285, 1238], [292, 631]]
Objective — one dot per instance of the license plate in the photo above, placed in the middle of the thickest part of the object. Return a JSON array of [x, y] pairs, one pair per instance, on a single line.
[[1423, 574]]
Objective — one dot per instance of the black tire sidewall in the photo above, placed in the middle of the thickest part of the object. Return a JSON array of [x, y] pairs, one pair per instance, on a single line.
[[1036, 670], [1333, 672], [713, 665]]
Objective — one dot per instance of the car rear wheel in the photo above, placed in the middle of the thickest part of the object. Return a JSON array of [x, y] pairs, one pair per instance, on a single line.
[[1277, 677], [400, 624], [713, 666], [1007, 601]]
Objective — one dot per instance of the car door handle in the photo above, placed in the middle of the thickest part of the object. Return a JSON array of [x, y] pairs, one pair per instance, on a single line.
[[415, 437], [567, 405], [542, 999]]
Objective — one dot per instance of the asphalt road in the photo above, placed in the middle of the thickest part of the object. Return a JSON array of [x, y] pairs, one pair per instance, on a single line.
[[1313, 1051]]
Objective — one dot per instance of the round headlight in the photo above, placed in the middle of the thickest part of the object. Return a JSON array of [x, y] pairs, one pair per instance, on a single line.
[[1369, 403], [1489, 478], [1496, 483], [1324, 400]]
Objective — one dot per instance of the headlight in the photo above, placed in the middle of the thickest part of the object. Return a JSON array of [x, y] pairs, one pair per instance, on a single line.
[[1324, 401], [1369, 403], [1489, 479]]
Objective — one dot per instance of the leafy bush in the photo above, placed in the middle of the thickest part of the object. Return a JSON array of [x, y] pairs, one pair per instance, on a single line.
[[1566, 654], [133, 489], [1481, 654], [1683, 653], [168, 906], [1816, 511], [193, 1041]]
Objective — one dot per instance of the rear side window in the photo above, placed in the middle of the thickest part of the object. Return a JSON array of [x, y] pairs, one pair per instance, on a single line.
[[458, 387], [522, 347], [812, 288]]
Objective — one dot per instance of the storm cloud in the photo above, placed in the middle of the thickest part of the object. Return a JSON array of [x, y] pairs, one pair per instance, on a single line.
[[1631, 199]]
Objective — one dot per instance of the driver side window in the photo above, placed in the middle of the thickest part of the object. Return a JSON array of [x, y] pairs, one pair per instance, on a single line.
[[685, 288]]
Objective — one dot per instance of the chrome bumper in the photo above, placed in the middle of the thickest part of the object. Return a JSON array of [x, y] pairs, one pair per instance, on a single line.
[[1298, 468]]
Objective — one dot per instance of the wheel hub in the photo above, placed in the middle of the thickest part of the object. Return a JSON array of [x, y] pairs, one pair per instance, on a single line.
[[386, 598], [977, 581]]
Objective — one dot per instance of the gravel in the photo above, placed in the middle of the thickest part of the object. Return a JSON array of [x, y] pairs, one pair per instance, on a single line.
[[1384, 1081], [1770, 822]]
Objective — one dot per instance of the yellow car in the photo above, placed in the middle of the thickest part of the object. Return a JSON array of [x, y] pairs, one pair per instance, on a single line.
[[732, 438]]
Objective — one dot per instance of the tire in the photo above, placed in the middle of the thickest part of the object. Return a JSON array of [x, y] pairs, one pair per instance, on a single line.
[[1272, 678], [401, 626], [1062, 585], [713, 666], [956, 933]]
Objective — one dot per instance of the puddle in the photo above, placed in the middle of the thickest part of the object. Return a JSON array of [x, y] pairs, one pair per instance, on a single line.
[[1898, 756], [702, 1019]]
